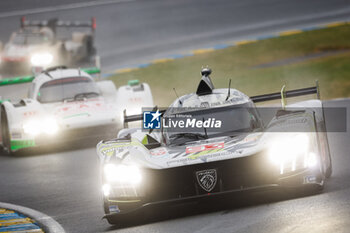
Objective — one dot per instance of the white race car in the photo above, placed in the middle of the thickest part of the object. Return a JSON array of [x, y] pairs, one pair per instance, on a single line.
[[48, 43], [66, 104]]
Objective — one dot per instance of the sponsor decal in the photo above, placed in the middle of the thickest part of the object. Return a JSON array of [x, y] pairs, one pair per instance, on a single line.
[[110, 151], [207, 147], [77, 107], [83, 106], [207, 179], [28, 114], [252, 138], [190, 159], [135, 100], [158, 152], [111, 148], [151, 120], [16, 135], [205, 105], [114, 209]]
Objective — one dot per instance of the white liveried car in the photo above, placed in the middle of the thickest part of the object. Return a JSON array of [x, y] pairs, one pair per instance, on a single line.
[[48, 43], [66, 104]]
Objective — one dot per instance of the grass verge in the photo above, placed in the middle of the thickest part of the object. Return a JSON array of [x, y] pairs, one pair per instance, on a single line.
[[242, 64]]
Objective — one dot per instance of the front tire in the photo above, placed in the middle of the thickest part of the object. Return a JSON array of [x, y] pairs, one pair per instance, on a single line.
[[5, 132]]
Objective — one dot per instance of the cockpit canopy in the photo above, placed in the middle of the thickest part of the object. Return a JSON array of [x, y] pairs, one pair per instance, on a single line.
[[67, 89]]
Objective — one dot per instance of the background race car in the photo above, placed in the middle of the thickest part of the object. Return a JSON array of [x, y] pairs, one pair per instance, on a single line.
[[148, 167], [67, 104], [48, 43]]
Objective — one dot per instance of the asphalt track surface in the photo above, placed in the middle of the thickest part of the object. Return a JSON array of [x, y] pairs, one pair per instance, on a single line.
[[65, 185]]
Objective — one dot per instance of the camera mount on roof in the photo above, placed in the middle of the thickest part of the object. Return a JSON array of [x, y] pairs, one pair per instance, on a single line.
[[205, 86]]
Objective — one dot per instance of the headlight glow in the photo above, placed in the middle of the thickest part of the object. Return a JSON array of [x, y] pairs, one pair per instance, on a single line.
[[32, 127], [311, 160], [106, 189], [50, 126], [35, 127], [41, 59], [122, 173], [287, 149]]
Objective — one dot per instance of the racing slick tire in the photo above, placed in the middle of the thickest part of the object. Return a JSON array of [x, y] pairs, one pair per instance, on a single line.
[[5, 133]]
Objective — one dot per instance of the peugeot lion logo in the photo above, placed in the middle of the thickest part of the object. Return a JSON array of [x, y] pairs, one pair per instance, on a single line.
[[207, 179]]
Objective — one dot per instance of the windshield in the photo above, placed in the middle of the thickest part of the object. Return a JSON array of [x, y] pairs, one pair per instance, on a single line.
[[234, 120], [67, 89], [30, 39]]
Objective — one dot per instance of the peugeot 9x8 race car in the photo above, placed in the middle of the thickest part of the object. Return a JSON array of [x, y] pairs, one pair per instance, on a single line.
[[67, 104], [48, 43], [220, 146]]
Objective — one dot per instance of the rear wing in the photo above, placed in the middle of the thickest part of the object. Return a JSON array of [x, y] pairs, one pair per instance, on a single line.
[[287, 94], [29, 78], [55, 23], [256, 99]]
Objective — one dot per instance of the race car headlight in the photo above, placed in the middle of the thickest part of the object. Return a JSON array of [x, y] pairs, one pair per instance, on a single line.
[[50, 126], [32, 127], [122, 173], [106, 189], [41, 59], [47, 125], [288, 149]]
